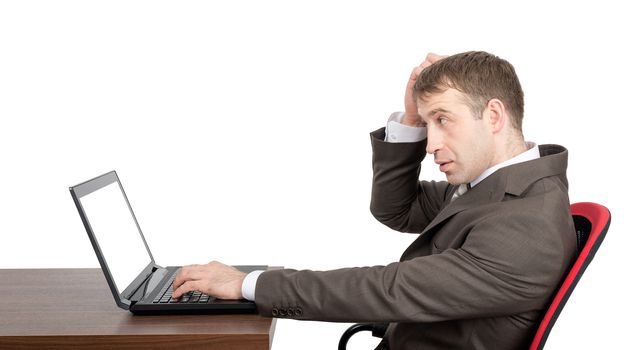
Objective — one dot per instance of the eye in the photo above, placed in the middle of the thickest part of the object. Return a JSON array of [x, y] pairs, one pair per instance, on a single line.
[[442, 120]]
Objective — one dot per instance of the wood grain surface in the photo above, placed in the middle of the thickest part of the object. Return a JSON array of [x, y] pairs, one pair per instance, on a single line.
[[73, 308]]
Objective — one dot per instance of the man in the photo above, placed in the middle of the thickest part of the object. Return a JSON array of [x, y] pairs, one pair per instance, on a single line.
[[494, 240]]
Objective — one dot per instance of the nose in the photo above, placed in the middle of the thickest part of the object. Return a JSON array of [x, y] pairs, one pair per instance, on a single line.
[[434, 140]]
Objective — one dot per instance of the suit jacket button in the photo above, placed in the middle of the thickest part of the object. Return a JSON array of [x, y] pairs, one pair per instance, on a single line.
[[298, 311], [282, 312], [274, 312], [290, 312]]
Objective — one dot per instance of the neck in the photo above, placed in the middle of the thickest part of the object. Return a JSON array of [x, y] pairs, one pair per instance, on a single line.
[[510, 148], [517, 147]]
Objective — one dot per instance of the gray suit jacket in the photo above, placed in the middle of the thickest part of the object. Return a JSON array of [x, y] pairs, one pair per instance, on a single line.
[[478, 275]]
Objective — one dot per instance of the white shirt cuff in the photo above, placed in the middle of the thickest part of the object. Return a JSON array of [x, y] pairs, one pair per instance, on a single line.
[[249, 285], [397, 132]]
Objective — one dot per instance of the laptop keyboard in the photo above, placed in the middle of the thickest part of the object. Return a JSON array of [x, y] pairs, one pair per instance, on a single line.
[[193, 297]]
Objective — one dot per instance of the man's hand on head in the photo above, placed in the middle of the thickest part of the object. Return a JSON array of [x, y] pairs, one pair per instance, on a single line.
[[411, 116], [215, 279]]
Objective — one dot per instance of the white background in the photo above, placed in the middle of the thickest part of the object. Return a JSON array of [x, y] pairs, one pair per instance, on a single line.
[[240, 131]]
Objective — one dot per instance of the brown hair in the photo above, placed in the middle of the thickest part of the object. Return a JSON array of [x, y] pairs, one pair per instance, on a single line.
[[479, 75]]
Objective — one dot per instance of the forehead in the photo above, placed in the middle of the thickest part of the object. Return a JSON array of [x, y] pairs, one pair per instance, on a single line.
[[450, 100]]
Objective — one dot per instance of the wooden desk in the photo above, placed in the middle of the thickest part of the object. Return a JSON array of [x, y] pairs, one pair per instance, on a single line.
[[73, 308]]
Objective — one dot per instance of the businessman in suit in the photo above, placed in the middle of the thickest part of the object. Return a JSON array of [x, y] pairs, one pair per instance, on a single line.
[[493, 242]]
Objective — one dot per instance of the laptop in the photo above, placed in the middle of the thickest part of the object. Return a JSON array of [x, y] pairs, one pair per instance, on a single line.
[[137, 283]]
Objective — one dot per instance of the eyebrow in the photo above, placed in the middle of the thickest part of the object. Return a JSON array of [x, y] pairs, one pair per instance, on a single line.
[[441, 110]]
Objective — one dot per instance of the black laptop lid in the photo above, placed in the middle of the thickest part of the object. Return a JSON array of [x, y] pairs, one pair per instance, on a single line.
[[115, 234]]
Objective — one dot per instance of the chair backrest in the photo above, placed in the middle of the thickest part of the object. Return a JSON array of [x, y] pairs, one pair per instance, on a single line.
[[591, 222]]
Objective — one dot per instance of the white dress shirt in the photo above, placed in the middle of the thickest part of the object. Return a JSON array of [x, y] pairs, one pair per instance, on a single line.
[[397, 132]]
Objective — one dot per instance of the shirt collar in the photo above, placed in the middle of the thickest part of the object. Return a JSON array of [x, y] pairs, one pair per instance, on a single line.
[[532, 152]]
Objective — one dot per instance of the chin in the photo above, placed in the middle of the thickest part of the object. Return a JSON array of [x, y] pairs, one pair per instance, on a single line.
[[460, 179], [453, 180]]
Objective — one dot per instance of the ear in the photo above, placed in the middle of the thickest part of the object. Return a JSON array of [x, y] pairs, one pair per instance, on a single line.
[[496, 115]]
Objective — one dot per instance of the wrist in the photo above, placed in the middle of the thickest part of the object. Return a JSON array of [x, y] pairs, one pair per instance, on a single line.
[[412, 120], [239, 283], [249, 285]]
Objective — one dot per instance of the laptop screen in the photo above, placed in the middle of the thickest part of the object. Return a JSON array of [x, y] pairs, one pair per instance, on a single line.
[[116, 232]]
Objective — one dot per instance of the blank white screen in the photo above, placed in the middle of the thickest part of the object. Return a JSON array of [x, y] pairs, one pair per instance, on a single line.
[[117, 234]]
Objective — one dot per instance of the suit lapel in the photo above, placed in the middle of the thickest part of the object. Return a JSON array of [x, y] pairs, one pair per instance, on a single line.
[[479, 195], [489, 190]]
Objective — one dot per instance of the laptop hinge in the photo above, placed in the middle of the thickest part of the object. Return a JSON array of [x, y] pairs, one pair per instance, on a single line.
[[149, 284], [134, 296]]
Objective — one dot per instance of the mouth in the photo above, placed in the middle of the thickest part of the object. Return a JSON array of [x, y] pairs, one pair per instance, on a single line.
[[445, 166]]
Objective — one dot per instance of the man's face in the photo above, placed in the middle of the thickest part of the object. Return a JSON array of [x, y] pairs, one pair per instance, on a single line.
[[462, 145]]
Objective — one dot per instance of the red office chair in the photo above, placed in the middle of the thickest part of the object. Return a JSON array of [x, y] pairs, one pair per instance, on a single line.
[[591, 221]]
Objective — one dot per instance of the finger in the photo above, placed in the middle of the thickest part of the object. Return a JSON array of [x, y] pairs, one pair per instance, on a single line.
[[186, 273], [433, 58], [180, 277], [177, 282], [416, 72], [185, 287]]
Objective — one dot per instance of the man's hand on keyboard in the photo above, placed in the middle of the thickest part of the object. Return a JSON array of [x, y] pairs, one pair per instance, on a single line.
[[215, 279]]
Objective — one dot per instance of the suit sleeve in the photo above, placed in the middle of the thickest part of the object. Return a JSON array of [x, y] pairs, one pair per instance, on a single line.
[[398, 199], [500, 270]]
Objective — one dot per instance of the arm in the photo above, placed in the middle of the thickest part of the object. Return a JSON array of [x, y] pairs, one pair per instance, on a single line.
[[398, 199], [500, 270]]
